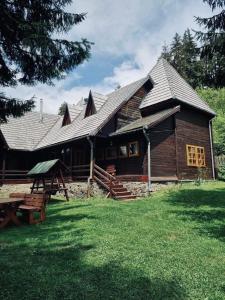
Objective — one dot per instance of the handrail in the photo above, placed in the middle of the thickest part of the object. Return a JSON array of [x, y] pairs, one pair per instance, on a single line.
[[101, 175], [101, 182], [104, 172], [110, 180]]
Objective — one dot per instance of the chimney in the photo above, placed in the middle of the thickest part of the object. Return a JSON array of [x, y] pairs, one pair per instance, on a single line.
[[41, 110]]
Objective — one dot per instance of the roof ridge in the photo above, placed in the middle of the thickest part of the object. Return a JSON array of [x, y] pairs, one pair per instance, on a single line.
[[185, 81], [167, 77], [125, 86], [142, 80]]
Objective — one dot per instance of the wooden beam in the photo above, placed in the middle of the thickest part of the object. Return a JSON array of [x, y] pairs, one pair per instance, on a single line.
[[176, 148], [3, 164]]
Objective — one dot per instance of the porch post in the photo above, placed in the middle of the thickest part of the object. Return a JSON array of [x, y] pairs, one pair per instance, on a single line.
[[149, 160], [212, 152], [91, 164], [3, 164], [71, 161]]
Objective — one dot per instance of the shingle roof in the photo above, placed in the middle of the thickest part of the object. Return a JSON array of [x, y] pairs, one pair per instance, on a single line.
[[168, 84], [91, 125], [26, 132], [99, 100], [76, 109], [149, 121]]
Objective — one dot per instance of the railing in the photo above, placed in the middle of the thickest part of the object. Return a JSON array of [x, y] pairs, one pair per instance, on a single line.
[[13, 173], [80, 171], [105, 179]]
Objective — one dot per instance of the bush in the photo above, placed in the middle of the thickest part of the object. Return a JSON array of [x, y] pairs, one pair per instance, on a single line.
[[221, 172]]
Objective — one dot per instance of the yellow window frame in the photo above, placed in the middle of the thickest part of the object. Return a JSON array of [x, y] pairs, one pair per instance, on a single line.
[[195, 156]]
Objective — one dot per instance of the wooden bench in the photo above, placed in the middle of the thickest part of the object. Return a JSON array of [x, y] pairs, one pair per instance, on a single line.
[[32, 203]]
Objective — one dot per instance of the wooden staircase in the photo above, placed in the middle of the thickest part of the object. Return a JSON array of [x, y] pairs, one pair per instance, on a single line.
[[115, 188]]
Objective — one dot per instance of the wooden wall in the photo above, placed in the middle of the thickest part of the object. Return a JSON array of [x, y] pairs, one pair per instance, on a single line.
[[127, 165], [130, 111], [192, 128], [163, 150]]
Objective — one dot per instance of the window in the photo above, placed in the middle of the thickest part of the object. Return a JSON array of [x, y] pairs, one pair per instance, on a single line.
[[133, 149], [195, 156], [110, 153], [123, 151]]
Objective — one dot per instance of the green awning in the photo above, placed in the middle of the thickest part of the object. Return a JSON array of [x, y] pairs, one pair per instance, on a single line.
[[42, 168]]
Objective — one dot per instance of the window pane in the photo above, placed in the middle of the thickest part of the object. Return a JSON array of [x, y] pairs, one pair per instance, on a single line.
[[133, 149], [123, 151], [195, 156]]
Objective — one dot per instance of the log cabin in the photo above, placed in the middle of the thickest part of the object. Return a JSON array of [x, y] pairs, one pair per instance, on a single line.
[[154, 129]]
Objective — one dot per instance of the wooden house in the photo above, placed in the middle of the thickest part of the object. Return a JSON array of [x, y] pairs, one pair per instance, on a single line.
[[154, 129]]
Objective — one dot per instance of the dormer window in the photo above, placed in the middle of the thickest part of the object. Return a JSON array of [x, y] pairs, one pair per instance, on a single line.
[[66, 118], [90, 107]]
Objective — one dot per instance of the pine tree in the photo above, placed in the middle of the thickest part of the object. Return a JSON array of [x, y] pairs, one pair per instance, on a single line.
[[176, 53], [62, 109], [190, 55], [213, 44], [30, 51], [166, 52]]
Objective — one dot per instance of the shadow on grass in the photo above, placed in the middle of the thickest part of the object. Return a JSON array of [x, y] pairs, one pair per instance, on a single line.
[[202, 206], [62, 273], [49, 261]]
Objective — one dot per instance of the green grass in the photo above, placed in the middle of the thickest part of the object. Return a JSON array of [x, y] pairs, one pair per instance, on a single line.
[[169, 246]]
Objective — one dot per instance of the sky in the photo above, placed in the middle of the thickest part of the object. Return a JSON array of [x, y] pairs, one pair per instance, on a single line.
[[128, 36]]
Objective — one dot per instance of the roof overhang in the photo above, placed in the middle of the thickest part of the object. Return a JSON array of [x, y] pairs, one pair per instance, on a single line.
[[146, 123]]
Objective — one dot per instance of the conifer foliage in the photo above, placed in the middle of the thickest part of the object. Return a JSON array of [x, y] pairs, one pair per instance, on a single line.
[[30, 51]]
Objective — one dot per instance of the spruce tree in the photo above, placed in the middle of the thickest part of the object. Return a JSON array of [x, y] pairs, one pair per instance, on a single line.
[[190, 54], [213, 44], [62, 108], [31, 52]]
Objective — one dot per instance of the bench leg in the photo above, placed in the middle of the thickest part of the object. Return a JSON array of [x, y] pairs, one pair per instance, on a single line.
[[42, 215], [31, 219]]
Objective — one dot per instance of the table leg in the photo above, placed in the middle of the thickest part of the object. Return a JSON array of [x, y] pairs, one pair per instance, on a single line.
[[10, 216], [4, 222], [13, 217]]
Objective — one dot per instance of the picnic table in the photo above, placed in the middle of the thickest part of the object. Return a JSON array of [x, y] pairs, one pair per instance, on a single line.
[[8, 208]]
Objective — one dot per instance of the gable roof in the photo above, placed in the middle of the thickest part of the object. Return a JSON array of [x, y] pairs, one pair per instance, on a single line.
[[42, 167], [168, 84], [26, 132], [76, 109], [147, 122], [91, 125], [99, 100]]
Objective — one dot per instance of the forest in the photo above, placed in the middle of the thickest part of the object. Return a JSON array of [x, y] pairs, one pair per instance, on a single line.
[[199, 56]]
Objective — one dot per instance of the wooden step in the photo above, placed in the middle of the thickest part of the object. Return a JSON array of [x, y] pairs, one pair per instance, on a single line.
[[125, 197], [126, 193], [118, 190]]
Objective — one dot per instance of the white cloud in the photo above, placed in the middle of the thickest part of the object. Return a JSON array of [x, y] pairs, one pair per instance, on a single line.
[[136, 29]]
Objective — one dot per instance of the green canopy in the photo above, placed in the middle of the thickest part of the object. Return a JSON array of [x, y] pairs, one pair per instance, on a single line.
[[42, 168]]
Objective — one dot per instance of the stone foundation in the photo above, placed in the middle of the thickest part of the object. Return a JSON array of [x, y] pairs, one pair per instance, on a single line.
[[6, 189], [79, 189], [140, 189]]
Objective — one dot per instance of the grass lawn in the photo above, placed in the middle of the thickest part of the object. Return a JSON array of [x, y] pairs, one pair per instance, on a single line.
[[168, 246]]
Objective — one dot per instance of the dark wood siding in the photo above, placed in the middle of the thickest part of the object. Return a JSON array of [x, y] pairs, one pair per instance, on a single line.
[[192, 128], [128, 165], [130, 110], [163, 150]]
